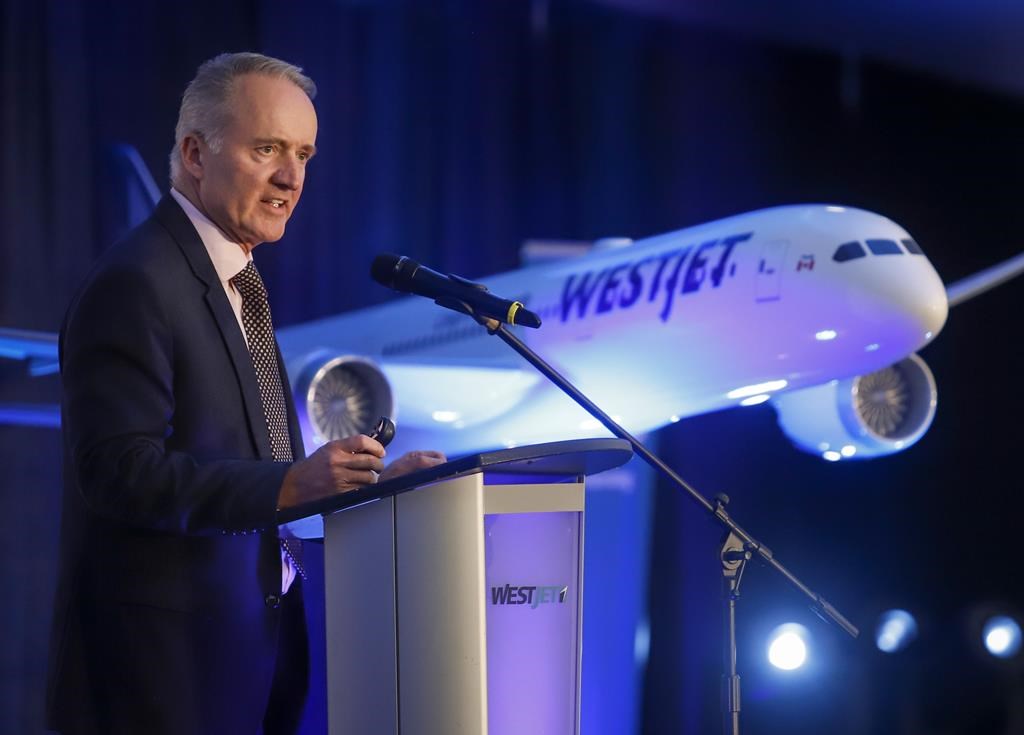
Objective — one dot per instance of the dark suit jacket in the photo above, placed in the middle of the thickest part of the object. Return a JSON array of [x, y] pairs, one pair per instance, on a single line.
[[169, 614]]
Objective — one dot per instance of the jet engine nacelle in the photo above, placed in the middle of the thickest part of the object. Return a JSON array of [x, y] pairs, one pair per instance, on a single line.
[[861, 417], [338, 396]]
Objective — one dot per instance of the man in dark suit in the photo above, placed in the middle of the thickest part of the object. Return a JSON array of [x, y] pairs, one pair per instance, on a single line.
[[179, 610]]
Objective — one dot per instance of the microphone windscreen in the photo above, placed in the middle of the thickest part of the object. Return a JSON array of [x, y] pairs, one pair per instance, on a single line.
[[384, 269]]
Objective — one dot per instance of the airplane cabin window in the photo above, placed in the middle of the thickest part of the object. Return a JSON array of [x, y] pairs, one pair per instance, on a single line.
[[912, 247], [884, 247], [848, 251]]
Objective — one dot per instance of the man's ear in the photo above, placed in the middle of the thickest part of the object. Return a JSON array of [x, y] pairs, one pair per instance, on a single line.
[[192, 155]]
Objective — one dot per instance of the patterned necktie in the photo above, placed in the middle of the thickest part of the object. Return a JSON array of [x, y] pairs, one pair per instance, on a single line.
[[259, 333]]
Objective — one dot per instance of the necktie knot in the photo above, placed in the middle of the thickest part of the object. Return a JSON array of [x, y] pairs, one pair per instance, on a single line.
[[248, 283]]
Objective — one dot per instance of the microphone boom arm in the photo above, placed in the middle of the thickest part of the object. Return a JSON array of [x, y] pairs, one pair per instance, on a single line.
[[819, 604]]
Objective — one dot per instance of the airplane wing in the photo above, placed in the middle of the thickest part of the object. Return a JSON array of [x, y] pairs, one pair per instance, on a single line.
[[982, 281], [38, 352], [38, 349], [44, 416]]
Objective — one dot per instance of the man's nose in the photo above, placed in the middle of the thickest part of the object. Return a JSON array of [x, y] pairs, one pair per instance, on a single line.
[[289, 174]]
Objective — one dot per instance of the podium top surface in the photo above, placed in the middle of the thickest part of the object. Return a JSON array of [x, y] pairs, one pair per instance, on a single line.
[[565, 459]]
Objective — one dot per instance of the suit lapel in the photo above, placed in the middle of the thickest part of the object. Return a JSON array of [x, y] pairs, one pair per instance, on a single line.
[[294, 429], [180, 227]]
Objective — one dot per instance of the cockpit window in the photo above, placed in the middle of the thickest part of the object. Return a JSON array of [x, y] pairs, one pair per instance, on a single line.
[[848, 251], [912, 247], [884, 247]]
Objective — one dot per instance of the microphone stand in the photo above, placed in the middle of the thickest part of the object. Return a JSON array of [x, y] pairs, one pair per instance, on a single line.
[[739, 546]]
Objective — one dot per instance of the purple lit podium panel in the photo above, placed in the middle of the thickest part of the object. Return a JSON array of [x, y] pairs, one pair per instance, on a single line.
[[455, 595]]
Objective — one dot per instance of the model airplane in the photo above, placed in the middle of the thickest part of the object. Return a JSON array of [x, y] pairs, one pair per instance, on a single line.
[[818, 309]]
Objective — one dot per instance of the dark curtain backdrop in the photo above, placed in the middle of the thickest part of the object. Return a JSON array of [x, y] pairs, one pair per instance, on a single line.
[[452, 131]]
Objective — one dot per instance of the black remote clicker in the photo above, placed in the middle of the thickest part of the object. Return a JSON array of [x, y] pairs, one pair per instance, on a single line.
[[384, 431]]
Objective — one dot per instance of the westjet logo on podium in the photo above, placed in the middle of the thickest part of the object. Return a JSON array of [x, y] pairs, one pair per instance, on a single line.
[[532, 595]]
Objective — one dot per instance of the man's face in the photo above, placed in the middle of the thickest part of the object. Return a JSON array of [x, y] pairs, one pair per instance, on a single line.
[[250, 187]]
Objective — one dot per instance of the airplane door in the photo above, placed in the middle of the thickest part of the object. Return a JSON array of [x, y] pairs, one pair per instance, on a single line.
[[769, 270]]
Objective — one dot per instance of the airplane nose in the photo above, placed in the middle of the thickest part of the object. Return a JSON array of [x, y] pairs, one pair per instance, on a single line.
[[899, 302], [925, 298]]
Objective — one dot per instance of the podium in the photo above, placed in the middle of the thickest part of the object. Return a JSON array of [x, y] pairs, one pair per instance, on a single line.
[[455, 595]]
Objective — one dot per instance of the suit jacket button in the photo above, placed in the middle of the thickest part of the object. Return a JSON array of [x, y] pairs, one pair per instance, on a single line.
[[272, 601]]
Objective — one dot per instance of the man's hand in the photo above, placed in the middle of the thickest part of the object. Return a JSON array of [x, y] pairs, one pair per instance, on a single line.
[[334, 468], [411, 462]]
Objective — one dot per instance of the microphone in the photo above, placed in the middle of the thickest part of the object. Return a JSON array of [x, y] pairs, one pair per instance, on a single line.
[[403, 274]]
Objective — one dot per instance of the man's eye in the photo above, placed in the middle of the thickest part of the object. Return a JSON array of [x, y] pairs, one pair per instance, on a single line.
[[267, 149]]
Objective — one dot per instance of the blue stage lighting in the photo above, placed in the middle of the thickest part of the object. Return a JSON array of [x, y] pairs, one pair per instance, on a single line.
[[1001, 636], [896, 630], [642, 642], [787, 649]]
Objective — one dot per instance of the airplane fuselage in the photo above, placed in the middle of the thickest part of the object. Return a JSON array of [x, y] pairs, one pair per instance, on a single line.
[[673, 325]]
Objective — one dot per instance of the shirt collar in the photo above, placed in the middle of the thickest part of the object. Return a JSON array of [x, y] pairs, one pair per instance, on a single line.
[[228, 258]]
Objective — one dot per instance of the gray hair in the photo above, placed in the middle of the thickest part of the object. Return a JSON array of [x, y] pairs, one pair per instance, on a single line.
[[203, 109]]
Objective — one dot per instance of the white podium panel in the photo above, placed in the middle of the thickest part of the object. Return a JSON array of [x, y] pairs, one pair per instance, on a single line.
[[359, 589], [455, 609], [442, 676], [533, 563]]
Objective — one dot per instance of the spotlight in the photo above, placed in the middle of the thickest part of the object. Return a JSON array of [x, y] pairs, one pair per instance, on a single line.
[[1001, 635], [787, 649], [896, 630]]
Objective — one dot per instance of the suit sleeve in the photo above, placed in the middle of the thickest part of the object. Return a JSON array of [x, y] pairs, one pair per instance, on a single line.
[[117, 369]]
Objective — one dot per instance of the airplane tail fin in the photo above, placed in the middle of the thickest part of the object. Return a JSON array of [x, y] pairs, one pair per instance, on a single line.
[[133, 192]]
